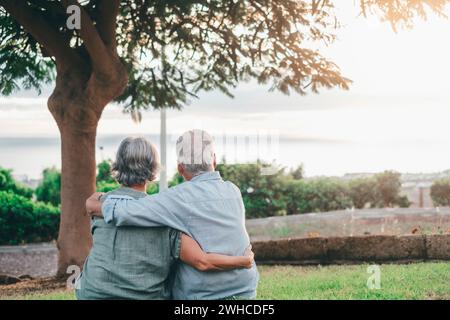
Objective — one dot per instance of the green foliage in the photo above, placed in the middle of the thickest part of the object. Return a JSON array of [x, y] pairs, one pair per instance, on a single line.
[[104, 172], [297, 173], [281, 193], [21, 60], [153, 188], [104, 186], [7, 183], [276, 194], [49, 189], [263, 195], [440, 192], [176, 179], [105, 183], [317, 195], [184, 47], [24, 221]]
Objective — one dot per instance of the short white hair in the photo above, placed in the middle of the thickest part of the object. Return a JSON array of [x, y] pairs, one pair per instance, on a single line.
[[195, 151]]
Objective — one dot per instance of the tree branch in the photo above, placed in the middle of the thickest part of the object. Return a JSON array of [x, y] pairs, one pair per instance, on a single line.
[[46, 35], [101, 57], [107, 11]]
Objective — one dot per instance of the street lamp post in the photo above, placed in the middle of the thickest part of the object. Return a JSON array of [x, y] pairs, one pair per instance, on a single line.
[[163, 143]]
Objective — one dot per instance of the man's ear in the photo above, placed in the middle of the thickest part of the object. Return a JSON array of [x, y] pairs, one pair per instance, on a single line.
[[180, 169], [214, 161]]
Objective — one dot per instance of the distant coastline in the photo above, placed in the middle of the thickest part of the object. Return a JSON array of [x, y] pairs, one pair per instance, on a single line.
[[28, 156]]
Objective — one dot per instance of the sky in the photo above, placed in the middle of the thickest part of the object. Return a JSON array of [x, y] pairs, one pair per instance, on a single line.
[[395, 115]]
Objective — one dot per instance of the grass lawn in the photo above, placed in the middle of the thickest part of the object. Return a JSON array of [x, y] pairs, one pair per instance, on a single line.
[[410, 281]]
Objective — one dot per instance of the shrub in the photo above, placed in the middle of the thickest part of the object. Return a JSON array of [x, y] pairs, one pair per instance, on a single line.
[[403, 202], [23, 221], [297, 173], [318, 195], [7, 183], [153, 188], [176, 179], [281, 193], [49, 189], [104, 172], [440, 192], [104, 186], [263, 195]]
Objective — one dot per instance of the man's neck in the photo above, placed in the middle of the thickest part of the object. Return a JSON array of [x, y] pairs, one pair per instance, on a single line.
[[190, 177]]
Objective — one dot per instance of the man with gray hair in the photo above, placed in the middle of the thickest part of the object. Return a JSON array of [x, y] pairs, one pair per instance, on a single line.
[[205, 207], [195, 153]]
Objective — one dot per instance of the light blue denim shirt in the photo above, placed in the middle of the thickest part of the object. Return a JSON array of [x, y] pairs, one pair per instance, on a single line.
[[212, 212]]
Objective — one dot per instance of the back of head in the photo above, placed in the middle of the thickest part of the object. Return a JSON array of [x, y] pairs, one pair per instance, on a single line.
[[137, 161], [195, 151]]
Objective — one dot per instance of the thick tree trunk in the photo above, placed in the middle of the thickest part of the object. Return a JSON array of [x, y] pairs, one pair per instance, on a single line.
[[89, 76], [77, 104], [76, 107], [77, 184]]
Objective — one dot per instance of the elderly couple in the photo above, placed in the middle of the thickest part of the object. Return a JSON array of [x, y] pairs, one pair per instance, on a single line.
[[189, 242]]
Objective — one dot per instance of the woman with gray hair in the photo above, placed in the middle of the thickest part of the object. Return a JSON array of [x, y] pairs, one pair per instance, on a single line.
[[136, 262]]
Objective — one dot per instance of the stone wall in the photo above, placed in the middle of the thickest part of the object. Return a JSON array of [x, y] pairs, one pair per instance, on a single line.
[[353, 249]]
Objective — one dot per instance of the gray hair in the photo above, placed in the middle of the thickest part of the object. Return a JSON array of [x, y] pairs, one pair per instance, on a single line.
[[137, 161], [195, 151]]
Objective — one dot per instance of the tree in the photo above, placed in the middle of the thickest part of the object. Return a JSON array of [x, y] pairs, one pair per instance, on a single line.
[[440, 192], [363, 191], [159, 54], [388, 186]]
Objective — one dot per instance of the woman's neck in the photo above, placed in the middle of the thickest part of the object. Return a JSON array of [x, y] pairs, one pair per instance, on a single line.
[[139, 187]]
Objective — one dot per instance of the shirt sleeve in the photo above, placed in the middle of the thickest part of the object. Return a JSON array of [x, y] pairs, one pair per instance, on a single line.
[[175, 243], [163, 209]]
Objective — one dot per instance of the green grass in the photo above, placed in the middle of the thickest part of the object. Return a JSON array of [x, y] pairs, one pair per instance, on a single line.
[[409, 281]]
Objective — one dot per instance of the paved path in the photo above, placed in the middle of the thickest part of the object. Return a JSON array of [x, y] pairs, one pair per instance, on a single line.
[[36, 260]]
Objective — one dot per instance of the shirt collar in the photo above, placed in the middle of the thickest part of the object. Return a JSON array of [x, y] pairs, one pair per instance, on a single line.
[[212, 175]]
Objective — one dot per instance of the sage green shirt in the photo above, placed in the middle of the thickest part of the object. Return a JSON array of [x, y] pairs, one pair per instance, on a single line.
[[129, 262]]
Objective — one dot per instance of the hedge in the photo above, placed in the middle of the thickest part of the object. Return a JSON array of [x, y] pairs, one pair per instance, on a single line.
[[25, 221], [318, 195], [7, 183]]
